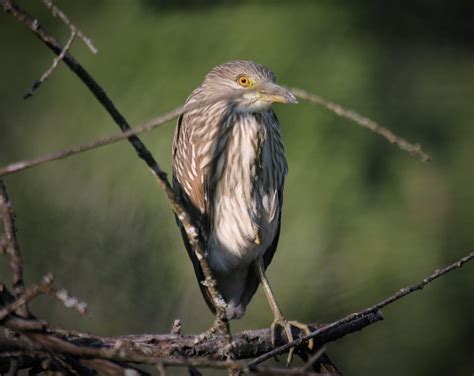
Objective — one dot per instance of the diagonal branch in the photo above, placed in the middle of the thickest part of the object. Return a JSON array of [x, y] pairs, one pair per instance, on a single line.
[[42, 288], [375, 308], [53, 66], [183, 216], [11, 246], [23, 165], [413, 149], [55, 11]]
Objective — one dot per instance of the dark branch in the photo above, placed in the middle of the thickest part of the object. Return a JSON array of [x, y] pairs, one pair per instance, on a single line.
[[191, 231]]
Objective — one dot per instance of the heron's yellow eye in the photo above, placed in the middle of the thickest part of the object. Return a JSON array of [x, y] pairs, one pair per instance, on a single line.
[[244, 81]]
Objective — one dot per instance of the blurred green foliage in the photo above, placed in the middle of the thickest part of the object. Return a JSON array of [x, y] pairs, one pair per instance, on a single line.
[[361, 218]]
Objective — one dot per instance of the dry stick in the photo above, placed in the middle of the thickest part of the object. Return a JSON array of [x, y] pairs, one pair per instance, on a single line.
[[413, 149], [68, 301], [55, 11], [191, 230], [23, 165], [42, 288], [125, 134], [375, 308], [58, 12], [53, 66], [11, 246], [107, 140]]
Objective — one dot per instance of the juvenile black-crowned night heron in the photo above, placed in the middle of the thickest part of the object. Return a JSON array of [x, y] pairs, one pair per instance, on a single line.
[[229, 169]]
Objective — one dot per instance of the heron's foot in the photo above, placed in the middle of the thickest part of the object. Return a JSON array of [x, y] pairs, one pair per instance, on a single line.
[[214, 329], [209, 333], [287, 325]]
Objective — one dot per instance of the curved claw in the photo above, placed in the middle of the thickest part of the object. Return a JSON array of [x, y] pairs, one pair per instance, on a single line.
[[286, 326], [305, 328]]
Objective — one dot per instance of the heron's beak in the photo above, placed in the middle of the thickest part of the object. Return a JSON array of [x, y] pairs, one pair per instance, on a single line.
[[270, 92]]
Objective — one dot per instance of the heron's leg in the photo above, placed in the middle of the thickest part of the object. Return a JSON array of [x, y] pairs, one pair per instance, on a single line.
[[278, 318]]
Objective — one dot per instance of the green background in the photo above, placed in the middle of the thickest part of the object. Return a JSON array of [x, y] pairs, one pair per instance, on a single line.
[[361, 218]]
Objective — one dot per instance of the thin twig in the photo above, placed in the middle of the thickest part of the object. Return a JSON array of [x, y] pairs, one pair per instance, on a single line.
[[375, 308], [413, 149], [107, 140], [55, 11], [53, 66], [11, 246], [23, 165], [42, 288], [191, 230], [313, 359], [68, 301]]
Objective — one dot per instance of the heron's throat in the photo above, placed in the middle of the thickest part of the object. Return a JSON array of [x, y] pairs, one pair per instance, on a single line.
[[252, 105]]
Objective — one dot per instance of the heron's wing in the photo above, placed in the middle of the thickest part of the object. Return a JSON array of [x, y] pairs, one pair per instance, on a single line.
[[197, 269], [188, 185], [186, 166], [253, 281]]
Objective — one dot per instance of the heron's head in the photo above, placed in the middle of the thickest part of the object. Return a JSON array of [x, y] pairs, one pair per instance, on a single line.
[[249, 86]]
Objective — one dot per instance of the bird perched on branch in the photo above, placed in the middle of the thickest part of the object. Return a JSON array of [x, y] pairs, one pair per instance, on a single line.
[[229, 170]]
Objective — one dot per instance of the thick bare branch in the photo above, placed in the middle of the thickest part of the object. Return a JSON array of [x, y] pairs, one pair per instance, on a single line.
[[177, 350], [169, 350]]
